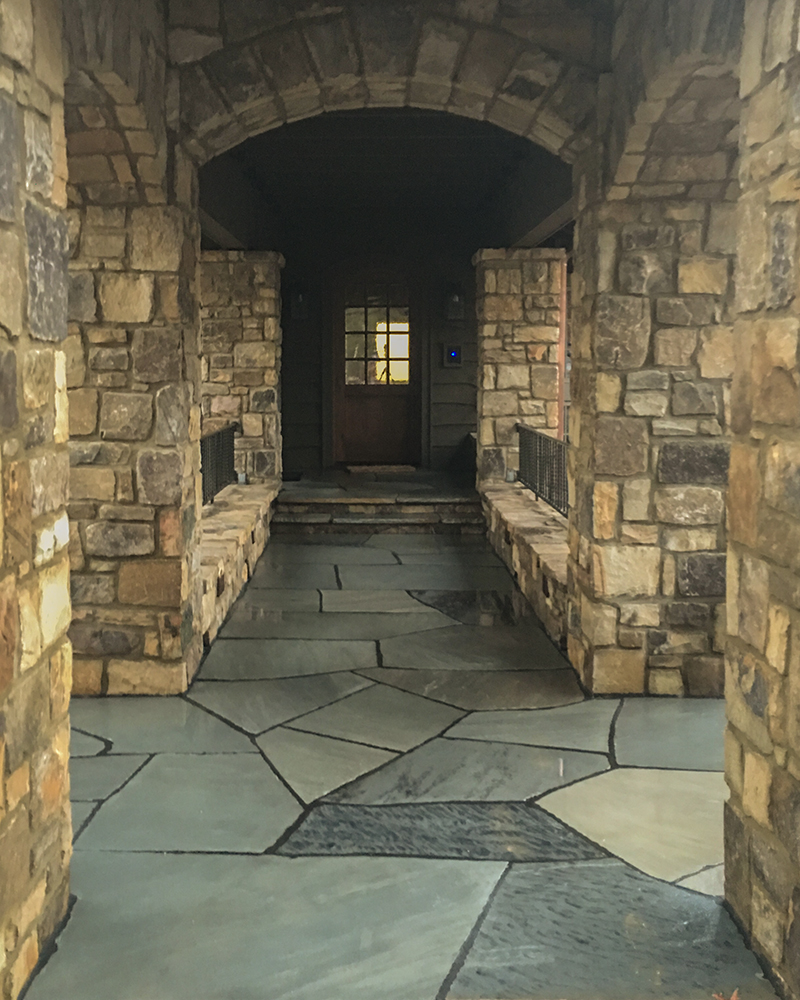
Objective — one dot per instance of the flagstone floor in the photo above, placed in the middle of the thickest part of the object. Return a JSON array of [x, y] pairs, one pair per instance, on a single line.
[[386, 784]]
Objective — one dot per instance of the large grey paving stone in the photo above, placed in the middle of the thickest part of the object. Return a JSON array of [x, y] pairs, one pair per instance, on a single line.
[[95, 778], [482, 831], [350, 539], [291, 625], [586, 726], [83, 744], [279, 553], [484, 690], [315, 765], [301, 576], [600, 930], [470, 607], [264, 659], [472, 647], [461, 557], [258, 602], [149, 927], [679, 733], [463, 771], [449, 577], [381, 717], [81, 811], [259, 705], [210, 802], [384, 601], [420, 542], [157, 725]]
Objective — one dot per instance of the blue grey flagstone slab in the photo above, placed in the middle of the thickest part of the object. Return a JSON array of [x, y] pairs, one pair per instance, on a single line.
[[257, 603], [603, 931], [81, 811], [157, 725], [151, 927], [463, 771], [94, 778], [302, 576], [470, 607], [264, 659], [299, 625], [181, 802], [83, 745], [447, 577], [471, 647], [386, 601], [280, 553], [482, 831], [676, 732], [452, 557]]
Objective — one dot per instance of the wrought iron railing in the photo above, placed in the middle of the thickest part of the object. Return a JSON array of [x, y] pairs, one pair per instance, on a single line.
[[216, 461], [543, 467]]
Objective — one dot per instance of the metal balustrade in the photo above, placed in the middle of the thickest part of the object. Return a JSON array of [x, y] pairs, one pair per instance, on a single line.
[[216, 461], [543, 467]]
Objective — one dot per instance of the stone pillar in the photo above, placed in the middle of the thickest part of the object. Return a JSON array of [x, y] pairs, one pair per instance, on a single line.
[[762, 825], [518, 302], [652, 357], [133, 376], [240, 301], [35, 655]]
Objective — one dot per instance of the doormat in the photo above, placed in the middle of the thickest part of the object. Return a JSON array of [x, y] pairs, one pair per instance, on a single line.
[[380, 469]]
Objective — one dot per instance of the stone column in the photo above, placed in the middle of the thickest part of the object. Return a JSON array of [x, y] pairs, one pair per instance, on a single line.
[[762, 825], [35, 655], [240, 302], [518, 302]]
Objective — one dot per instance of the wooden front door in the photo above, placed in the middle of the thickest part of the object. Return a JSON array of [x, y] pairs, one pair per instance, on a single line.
[[376, 372]]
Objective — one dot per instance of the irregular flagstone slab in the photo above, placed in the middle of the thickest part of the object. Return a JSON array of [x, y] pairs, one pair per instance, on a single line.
[[95, 778], [258, 602], [483, 690], [351, 540], [218, 928], [474, 556], [84, 745], [265, 659], [418, 542], [667, 823], [449, 577], [384, 601], [81, 811], [288, 625], [498, 831], [315, 765], [680, 733], [576, 727], [470, 647], [711, 882], [470, 607], [463, 771], [602, 931], [280, 553], [157, 725], [208, 802], [313, 576], [259, 705], [382, 717]]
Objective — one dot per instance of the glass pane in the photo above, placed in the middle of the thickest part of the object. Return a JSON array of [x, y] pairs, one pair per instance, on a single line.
[[398, 345], [376, 295], [354, 345], [354, 319], [398, 371], [398, 318], [376, 372], [376, 345], [354, 372], [376, 319], [398, 295]]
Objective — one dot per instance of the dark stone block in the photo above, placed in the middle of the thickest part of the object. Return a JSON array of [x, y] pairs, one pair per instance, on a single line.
[[27, 716], [783, 259], [159, 477], [686, 310], [621, 446], [702, 575], [264, 463], [688, 614], [793, 944], [639, 237], [694, 462], [39, 430], [784, 810], [262, 400], [737, 863], [622, 337], [690, 398], [157, 355], [93, 588], [9, 407], [82, 303], [101, 639], [47, 273], [492, 464], [645, 273], [9, 161]]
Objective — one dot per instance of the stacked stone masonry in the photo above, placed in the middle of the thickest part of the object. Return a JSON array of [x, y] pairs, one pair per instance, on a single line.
[[240, 300], [35, 654], [519, 324]]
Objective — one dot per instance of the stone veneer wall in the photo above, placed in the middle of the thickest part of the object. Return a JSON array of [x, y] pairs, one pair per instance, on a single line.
[[240, 300], [35, 656], [762, 873], [519, 310], [652, 350]]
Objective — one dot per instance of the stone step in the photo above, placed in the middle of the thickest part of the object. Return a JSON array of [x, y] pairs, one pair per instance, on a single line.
[[460, 516]]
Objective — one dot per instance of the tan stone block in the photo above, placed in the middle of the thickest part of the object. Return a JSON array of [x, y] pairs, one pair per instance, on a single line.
[[25, 963], [639, 534], [155, 582], [636, 500], [170, 534], [38, 378], [757, 787], [501, 308], [640, 615], [662, 681], [498, 404], [18, 785], [605, 505], [764, 114], [16, 31], [744, 491], [734, 762], [30, 634], [675, 346], [689, 505], [126, 298], [513, 377], [11, 282], [252, 425], [88, 483], [717, 352], [55, 609], [156, 239], [703, 276], [254, 354], [668, 576], [598, 622], [690, 539], [626, 570], [82, 411], [90, 170], [31, 908], [146, 677], [618, 671], [87, 676], [778, 622], [544, 382]]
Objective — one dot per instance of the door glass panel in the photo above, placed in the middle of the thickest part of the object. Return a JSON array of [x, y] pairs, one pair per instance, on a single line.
[[376, 345], [354, 345], [376, 319], [354, 372], [399, 371], [398, 345], [376, 372], [398, 317], [354, 319]]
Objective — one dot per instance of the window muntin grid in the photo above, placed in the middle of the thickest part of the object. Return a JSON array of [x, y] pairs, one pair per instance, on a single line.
[[377, 336]]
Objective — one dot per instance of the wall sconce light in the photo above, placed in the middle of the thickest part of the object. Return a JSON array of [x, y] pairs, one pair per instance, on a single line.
[[455, 306]]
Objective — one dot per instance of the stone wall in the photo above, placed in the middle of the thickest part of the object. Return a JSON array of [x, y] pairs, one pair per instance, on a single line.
[[240, 299], [35, 656], [652, 350], [519, 314], [763, 652]]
